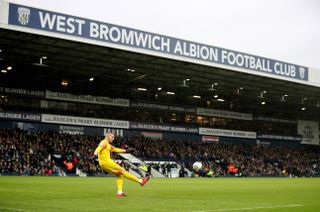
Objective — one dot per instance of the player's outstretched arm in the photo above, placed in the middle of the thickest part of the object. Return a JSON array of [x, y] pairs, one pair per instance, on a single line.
[[118, 150]]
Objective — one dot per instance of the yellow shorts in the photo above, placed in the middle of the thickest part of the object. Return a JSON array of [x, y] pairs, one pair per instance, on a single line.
[[111, 167]]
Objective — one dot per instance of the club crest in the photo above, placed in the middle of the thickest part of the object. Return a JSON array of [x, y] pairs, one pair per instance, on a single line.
[[301, 72], [23, 15]]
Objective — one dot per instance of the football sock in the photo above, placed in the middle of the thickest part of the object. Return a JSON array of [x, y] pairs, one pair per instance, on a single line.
[[119, 183]]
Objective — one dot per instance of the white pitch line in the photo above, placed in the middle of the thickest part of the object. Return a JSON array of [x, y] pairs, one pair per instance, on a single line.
[[12, 209], [251, 208]]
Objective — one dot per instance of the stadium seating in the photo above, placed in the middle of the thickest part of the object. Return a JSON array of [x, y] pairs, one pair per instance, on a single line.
[[37, 153]]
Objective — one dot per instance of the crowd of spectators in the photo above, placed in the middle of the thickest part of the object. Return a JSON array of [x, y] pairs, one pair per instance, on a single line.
[[46, 153], [249, 159], [33, 153], [23, 153]]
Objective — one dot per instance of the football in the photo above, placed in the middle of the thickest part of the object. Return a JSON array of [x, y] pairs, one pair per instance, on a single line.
[[197, 166]]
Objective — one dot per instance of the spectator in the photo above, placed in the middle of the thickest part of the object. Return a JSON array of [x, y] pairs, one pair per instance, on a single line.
[[69, 166]]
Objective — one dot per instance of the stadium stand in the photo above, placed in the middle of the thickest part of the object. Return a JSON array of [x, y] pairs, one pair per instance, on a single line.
[[237, 122], [32, 153], [28, 104]]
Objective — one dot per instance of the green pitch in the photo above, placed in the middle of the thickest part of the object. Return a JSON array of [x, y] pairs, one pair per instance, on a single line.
[[197, 195]]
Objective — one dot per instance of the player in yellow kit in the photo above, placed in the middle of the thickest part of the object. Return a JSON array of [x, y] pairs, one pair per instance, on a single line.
[[107, 164]]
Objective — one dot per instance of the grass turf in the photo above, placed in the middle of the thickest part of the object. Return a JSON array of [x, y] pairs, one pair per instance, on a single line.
[[197, 195]]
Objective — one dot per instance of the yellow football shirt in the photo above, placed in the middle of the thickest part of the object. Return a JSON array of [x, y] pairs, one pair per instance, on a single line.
[[104, 149]]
